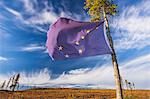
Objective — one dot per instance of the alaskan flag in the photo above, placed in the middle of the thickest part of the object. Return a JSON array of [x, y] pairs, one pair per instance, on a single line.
[[67, 39]]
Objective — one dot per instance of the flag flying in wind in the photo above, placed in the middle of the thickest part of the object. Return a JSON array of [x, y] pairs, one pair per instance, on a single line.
[[67, 38]]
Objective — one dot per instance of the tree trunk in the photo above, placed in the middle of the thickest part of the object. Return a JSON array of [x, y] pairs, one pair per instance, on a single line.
[[119, 93]]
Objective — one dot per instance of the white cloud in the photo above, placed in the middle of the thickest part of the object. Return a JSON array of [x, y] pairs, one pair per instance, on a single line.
[[137, 70], [48, 16], [97, 77], [79, 71], [45, 17], [19, 17], [3, 58], [4, 33], [29, 5], [32, 47], [37, 27], [46, 51], [132, 27], [14, 12]]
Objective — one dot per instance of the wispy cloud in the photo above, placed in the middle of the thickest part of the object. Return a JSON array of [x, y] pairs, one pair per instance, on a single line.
[[29, 5], [134, 70], [32, 47], [48, 15], [45, 17], [4, 32], [79, 71], [19, 17], [3, 58], [37, 17], [97, 77], [132, 27], [14, 12]]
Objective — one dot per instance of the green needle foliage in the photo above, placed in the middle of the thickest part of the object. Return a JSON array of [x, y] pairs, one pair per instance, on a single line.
[[96, 7]]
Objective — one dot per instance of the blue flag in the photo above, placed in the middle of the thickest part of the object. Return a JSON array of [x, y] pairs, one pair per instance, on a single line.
[[67, 38]]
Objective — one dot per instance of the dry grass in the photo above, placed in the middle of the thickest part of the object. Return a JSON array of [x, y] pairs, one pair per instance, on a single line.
[[68, 93]]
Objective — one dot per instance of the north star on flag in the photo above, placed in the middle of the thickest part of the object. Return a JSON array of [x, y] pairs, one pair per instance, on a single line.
[[67, 38]]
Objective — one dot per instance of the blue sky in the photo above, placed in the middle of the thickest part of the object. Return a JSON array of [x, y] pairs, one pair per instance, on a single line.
[[23, 27]]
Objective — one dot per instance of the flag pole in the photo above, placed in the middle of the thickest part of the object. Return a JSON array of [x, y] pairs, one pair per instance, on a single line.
[[119, 92]]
